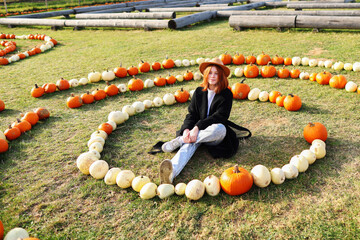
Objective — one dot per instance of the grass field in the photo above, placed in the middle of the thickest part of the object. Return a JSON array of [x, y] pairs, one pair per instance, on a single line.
[[42, 191]]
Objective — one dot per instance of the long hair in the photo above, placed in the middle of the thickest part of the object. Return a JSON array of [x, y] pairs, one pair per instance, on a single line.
[[222, 83]]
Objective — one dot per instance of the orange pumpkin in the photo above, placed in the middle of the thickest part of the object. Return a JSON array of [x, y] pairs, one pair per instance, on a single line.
[[312, 77], [31, 117], [358, 91], [87, 98], [277, 60], [49, 87], [22, 125], [314, 131], [182, 95], [120, 72], [74, 101], [4, 146], [263, 59], [280, 100], [287, 61], [292, 102], [268, 71], [12, 133], [37, 91], [170, 79], [338, 81], [99, 94], [4, 61], [251, 71], [323, 78], [42, 113], [106, 127], [188, 76], [62, 84], [168, 63], [132, 71], [283, 73], [144, 66], [273, 95], [2, 105], [111, 89], [159, 81], [250, 59], [54, 41], [238, 59], [156, 66], [226, 58], [240, 90], [295, 73], [236, 180], [136, 84]]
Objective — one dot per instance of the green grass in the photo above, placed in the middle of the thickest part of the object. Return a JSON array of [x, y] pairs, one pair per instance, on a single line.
[[42, 191]]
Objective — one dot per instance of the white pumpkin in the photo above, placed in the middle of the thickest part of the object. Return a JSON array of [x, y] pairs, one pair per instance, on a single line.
[[149, 83], [148, 191], [305, 61], [351, 86], [94, 77], [179, 78], [348, 66], [197, 76], [2, 135], [300, 162], [16, 233], [319, 141], [338, 66], [254, 94], [191, 93], [296, 61], [96, 146], [195, 189], [277, 175], [263, 96], [261, 176], [309, 155], [113, 124], [96, 139], [356, 67], [319, 150], [290, 171], [185, 62], [14, 58], [169, 99], [129, 110], [212, 185], [47, 38], [158, 102], [207, 59], [177, 63], [138, 182], [125, 178], [126, 116], [321, 63], [99, 169], [43, 48], [108, 75], [96, 153], [200, 60], [192, 62], [313, 62], [304, 76], [116, 116], [51, 43], [110, 177], [147, 103], [139, 106], [26, 54], [165, 190], [180, 189], [84, 161], [122, 87], [99, 133], [239, 72], [83, 81], [328, 64]]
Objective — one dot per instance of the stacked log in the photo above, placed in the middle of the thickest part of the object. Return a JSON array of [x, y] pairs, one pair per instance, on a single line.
[[139, 15]]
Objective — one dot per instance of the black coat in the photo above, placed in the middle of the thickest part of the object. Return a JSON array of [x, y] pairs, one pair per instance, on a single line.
[[219, 113]]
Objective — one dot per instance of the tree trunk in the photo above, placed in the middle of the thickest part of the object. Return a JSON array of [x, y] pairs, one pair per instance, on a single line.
[[248, 21], [290, 13], [140, 15], [190, 19]]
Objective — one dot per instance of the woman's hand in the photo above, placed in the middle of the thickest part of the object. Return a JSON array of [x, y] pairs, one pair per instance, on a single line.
[[191, 136]]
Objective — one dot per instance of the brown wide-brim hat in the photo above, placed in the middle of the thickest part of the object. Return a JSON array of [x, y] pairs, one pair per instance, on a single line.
[[214, 62]]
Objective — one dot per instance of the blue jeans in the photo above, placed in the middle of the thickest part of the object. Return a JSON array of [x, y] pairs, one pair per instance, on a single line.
[[212, 135]]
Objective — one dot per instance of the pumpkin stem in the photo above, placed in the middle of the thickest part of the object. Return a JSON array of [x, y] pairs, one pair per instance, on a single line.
[[292, 95], [236, 169], [36, 86], [72, 94], [182, 89], [311, 124], [120, 64], [107, 83], [242, 81], [87, 92], [18, 120], [141, 61]]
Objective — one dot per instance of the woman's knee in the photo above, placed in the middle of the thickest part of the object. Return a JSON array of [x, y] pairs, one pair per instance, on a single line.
[[218, 129]]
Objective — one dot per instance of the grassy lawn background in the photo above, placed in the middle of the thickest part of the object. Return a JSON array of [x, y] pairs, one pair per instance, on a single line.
[[42, 191]]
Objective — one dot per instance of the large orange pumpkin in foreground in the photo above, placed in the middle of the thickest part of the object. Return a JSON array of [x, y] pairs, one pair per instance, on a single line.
[[292, 102], [240, 90], [314, 131], [236, 181], [182, 95]]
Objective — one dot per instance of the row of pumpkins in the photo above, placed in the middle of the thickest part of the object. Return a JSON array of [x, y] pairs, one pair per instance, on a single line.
[[20, 126], [49, 43], [90, 163], [15, 234]]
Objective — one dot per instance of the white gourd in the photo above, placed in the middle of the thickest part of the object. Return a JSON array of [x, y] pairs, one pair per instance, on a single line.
[[113, 124], [239, 72], [177, 63], [319, 150], [309, 155], [197, 76], [338, 66], [108, 75], [169, 99], [2, 135], [179, 78], [158, 102], [304, 76], [305, 61], [319, 141], [147, 103], [313, 62], [122, 87], [117, 116], [263, 96], [149, 83], [96, 153], [110, 177], [200, 60], [328, 64], [212, 185], [296, 61], [350, 86], [148, 191], [321, 63], [191, 93], [138, 182], [277, 175], [74, 82], [165, 190], [290, 171], [94, 77], [96, 146], [99, 169], [195, 189], [125, 178], [83, 81], [96, 139], [192, 62], [300, 162], [180, 189], [261, 176], [356, 67], [84, 161], [254, 94], [129, 110], [16, 233], [185, 62], [99, 133], [139, 106], [348, 66]]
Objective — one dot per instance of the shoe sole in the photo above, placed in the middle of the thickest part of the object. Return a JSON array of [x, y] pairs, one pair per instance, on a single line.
[[165, 171]]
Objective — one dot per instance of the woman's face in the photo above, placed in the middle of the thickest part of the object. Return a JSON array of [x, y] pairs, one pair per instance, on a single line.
[[213, 78]]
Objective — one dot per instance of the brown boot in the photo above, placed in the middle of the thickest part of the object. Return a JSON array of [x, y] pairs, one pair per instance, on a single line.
[[166, 171]]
